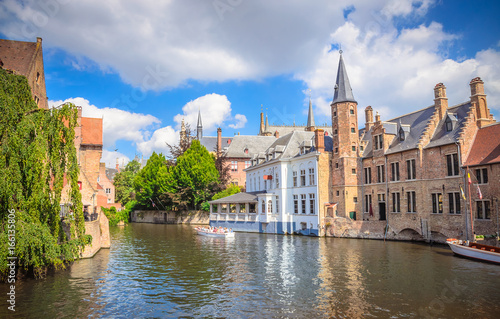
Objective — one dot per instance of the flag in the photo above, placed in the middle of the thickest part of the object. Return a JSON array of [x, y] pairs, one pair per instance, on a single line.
[[470, 181], [479, 192], [152, 202], [371, 210], [462, 191]]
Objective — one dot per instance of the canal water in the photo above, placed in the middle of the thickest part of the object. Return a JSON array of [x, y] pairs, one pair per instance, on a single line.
[[167, 271]]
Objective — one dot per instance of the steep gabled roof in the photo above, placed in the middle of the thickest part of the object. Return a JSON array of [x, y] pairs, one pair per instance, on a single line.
[[210, 142], [486, 146], [254, 144], [91, 131]]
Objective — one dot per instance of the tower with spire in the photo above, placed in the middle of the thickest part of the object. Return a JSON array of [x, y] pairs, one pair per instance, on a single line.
[[311, 126], [199, 127], [346, 161]]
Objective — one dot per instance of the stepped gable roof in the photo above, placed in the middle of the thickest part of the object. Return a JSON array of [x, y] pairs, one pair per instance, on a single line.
[[250, 197], [343, 90], [486, 146], [210, 142], [17, 55], [91, 131], [457, 114], [254, 145]]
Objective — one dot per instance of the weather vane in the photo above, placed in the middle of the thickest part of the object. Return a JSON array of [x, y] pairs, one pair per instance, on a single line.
[[340, 48]]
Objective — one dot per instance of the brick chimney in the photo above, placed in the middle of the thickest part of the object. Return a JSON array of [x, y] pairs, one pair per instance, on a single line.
[[440, 100], [277, 134], [219, 140], [319, 140], [117, 166], [369, 117], [478, 98], [377, 118]]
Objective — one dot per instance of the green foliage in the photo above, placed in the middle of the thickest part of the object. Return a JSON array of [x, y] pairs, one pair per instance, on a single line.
[[115, 216], [37, 156], [231, 190], [124, 182], [195, 175]]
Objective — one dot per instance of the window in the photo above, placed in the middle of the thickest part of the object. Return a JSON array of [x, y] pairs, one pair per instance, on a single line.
[[396, 203], [411, 169], [295, 204], [311, 176], [108, 190], [452, 163], [353, 171], [483, 209], [232, 208], [303, 202], [223, 208], [277, 180], [269, 206], [336, 165], [277, 204], [338, 193], [355, 199], [482, 176], [378, 142], [454, 202], [248, 163], [381, 197], [243, 208], [335, 132], [361, 147], [38, 77], [302, 177], [263, 207], [312, 204], [449, 125], [251, 208], [401, 134], [334, 113], [354, 148], [380, 174], [353, 130], [411, 202], [437, 203], [368, 175], [295, 179], [395, 171], [351, 112], [368, 203], [234, 166]]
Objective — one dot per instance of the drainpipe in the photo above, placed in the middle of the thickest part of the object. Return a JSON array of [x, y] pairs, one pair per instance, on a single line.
[[465, 182], [386, 198]]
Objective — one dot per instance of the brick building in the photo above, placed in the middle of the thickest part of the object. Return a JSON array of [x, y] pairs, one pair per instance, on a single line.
[[407, 172], [26, 58]]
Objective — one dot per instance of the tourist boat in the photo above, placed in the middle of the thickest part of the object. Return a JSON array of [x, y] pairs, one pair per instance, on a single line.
[[207, 233], [474, 250]]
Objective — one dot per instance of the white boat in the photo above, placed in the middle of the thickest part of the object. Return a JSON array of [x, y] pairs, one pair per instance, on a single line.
[[215, 234], [475, 250]]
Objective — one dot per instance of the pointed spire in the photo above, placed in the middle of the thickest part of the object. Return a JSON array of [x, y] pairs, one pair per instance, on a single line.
[[310, 116], [266, 129], [343, 91], [199, 127]]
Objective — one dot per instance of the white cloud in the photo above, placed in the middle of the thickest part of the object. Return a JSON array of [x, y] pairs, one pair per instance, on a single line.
[[241, 121], [215, 112], [158, 141], [395, 72], [117, 124]]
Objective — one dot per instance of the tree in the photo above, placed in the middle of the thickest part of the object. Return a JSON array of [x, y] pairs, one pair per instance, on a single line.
[[184, 143], [152, 181], [230, 190], [37, 158], [124, 182], [195, 175]]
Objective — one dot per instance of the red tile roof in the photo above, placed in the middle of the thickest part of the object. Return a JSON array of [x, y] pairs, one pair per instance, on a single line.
[[486, 146], [17, 55], [91, 131]]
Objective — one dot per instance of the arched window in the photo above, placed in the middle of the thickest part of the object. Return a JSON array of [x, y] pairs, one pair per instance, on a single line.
[[263, 206], [270, 206], [449, 125], [401, 134]]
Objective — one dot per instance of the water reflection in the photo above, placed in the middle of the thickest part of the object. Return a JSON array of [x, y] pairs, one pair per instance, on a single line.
[[169, 271]]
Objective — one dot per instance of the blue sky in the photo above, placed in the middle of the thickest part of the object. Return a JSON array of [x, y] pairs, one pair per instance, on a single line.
[[144, 66]]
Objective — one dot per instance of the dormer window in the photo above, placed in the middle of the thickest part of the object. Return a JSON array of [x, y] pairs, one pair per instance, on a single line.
[[449, 125], [245, 150], [401, 134]]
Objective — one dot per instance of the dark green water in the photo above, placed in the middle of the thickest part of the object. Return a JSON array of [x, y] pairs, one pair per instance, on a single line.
[[167, 271]]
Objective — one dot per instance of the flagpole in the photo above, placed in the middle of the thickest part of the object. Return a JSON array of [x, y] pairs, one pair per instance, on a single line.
[[470, 206]]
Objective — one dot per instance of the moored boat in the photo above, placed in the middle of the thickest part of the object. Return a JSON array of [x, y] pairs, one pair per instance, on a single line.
[[475, 250]]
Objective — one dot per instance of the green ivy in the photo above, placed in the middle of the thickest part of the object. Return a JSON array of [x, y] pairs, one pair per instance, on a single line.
[[37, 156]]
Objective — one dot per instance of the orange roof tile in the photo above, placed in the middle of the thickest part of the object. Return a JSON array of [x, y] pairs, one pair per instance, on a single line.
[[17, 55], [486, 146], [91, 131]]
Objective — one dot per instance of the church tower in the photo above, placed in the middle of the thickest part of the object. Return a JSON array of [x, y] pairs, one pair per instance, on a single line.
[[311, 126], [346, 161], [199, 127]]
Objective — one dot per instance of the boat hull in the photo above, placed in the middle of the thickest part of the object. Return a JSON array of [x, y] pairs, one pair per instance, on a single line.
[[215, 235], [476, 253]]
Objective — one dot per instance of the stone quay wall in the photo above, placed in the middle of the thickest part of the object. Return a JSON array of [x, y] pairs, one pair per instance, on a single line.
[[169, 217]]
